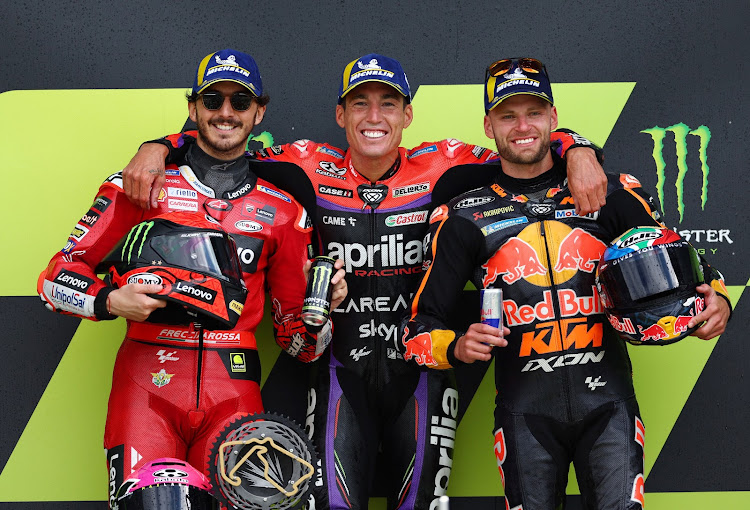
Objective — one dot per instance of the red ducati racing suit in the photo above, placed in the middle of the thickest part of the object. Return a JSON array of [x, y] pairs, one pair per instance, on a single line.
[[169, 397], [564, 382], [365, 398]]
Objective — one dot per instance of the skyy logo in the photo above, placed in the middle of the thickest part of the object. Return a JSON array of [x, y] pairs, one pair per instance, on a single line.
[[680, 132]]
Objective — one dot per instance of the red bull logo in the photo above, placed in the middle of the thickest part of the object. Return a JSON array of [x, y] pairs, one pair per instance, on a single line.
[[653, 332], [516, 259], [579, 250], [419, 348]]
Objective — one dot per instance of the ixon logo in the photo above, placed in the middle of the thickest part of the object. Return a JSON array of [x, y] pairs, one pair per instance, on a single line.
[[680, 132]]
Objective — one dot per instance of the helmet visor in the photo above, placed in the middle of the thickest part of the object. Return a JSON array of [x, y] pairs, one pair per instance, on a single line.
[[649, 274], [205, 252]]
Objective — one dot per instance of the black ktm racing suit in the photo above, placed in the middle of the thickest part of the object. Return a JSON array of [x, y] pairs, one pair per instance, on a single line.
[[365, 398], [564, 382]]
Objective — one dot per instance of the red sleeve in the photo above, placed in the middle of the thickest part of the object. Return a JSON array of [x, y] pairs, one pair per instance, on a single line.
[[69, 284]]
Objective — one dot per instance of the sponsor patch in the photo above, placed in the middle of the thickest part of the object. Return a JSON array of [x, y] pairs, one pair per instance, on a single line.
[[329, 151], [73, 280], [499, 225], [398, 220], [145, 278], [182, 193], [273, 192], [182, 205], [467, 203], [101, 203], [337, 192], [423, 150], [412, 189], [90, 218], [248, 226], [238, 361]]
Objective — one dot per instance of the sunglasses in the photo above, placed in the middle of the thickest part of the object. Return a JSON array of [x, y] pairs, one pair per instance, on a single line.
[[529, 65], [240, 101]]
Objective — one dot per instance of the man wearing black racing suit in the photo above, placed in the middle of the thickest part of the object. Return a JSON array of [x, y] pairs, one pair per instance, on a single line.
[[563, 376], [370, 206]]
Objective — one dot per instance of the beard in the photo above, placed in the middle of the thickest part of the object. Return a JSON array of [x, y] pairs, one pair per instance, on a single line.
[[218, 145], [524, 158]]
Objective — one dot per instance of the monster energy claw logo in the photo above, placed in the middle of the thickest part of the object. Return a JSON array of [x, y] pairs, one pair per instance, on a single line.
[[139, 231], [321, 279], [680, 132]]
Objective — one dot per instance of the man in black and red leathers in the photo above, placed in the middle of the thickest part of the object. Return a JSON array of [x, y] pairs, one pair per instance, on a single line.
[[370, 206], [169, 397], [564, 383]]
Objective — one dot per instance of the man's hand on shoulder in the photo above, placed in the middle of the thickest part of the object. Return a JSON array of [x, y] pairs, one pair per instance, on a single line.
[[586, 180], [143, 178]]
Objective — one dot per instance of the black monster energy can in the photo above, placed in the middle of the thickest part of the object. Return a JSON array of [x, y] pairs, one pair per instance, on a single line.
[[317, 304]]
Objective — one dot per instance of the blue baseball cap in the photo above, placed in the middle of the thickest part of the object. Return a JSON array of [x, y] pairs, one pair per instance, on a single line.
[[228, 65], [513, 76], [374, 67]]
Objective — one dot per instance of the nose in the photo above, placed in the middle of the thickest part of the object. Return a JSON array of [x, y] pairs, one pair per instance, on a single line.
[[522, 123], [373, 113], [226, 109]]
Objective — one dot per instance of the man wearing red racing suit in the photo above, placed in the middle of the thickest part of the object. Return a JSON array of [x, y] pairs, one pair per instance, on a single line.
[[373, 214], [169, 397], [563, 376]]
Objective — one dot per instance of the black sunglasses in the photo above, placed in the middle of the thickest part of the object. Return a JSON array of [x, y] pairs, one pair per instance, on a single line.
[[529, 65], [240, 101]]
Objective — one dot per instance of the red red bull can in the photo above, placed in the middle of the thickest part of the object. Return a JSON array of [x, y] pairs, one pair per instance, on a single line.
[[317, 304], [492, 307]]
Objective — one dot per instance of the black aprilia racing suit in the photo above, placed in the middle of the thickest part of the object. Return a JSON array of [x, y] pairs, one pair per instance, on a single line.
[[365, 398], [564, 382]]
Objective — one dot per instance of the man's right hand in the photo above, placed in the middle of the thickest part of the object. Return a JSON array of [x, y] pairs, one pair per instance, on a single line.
[[478, 342], [132, 302], [143, 178]]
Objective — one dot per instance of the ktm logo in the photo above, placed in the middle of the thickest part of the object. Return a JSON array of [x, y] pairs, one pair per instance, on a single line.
[[556, 336]]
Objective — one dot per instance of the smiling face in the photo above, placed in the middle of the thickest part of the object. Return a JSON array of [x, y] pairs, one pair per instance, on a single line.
[[521, 127], [374, 117], [223, 133]]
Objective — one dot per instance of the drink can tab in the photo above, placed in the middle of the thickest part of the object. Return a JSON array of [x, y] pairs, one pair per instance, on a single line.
[[316, 306], [492, 307]]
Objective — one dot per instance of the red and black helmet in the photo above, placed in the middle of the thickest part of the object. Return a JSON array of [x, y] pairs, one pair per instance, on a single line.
[[193, 259]]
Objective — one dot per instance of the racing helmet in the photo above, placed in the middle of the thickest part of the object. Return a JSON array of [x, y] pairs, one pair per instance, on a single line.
[[194, 260], [163, 484], [646, 281]]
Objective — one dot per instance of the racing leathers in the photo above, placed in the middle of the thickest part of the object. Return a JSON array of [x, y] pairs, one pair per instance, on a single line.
[[169, 396], [365, 399], [564, 382]]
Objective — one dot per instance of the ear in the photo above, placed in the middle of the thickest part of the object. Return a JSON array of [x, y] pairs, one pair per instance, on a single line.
[[408, 115], [340, 115], [192, 112], [488, 131], [259, 114], [553, 118]]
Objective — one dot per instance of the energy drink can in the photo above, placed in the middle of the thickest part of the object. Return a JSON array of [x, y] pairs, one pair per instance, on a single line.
[[317, 304], [492, 307]]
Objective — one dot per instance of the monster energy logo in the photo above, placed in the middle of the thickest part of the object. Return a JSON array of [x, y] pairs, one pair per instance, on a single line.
[[321, 279], [139, 231], [680, 132]]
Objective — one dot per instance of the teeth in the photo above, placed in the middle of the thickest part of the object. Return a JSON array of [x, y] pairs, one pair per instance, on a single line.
[[224, 127], [373, 134], [525, 140]]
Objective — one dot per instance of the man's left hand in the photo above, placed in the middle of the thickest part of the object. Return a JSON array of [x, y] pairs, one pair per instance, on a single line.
[[586, 180], [716, 314]]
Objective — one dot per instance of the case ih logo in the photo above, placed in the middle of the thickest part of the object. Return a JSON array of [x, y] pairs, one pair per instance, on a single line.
[[680, 132]]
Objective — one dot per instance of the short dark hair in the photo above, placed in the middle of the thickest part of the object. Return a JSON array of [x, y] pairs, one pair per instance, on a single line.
[[192, 97]]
